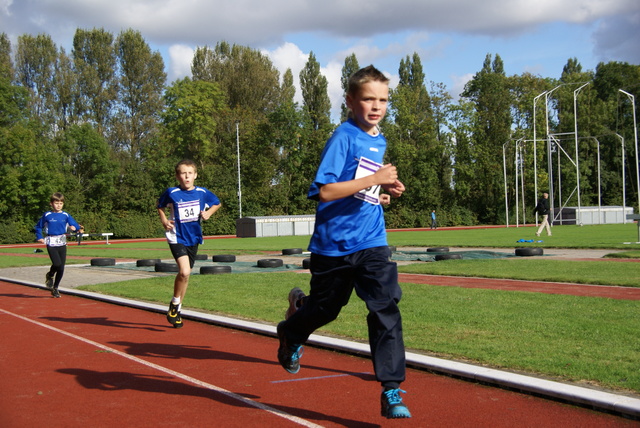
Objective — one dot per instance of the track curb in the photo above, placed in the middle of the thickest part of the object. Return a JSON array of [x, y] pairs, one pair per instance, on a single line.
[[597, 400]]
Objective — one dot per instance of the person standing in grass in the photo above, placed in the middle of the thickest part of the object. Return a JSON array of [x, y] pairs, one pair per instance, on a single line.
[[51, 230], [543, 209], [434, 224], [349, 244], [188, 205]]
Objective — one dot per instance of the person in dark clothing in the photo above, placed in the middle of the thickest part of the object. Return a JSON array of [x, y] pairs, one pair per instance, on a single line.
[[543, 209]]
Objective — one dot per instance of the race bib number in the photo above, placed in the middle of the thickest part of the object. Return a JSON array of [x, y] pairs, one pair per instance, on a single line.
[[372, 194], [56, 240], [189, 211]]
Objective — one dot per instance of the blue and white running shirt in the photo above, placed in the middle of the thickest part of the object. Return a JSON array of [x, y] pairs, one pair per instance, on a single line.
[[186, 206], [350, 224], [54, 225]]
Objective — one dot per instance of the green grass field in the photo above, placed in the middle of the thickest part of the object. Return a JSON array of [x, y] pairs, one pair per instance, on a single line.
[[591, 341]]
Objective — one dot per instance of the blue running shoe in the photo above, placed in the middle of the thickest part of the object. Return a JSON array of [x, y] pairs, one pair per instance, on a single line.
[[289, 355], [173, 315], [392, 405]]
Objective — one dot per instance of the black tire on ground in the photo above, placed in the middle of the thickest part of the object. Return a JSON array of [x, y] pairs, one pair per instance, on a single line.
[[147, 262], [167, 267], [438, 250], [201, 257], [204, 270], [103, 262], [289, 251], [225, 258], [306, 263], [448, 257], [533, 251], [270, 263]]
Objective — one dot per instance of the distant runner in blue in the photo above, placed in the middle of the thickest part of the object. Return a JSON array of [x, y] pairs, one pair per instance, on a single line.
[[188, 205], [51, 230]]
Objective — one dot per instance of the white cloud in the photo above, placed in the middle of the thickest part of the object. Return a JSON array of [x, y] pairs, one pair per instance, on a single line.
[[180, 58], [285, 56], [619, 37], [459, 83], [268, 21], [450, 36]]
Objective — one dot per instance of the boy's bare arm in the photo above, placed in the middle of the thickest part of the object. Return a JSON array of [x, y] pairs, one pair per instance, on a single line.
[[396, 189], [208, 213], [386, 175], [166, 223]]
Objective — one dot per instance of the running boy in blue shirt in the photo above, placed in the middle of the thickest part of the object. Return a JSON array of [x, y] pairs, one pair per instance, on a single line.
[[51, 230], [349, 245], [189, 204]]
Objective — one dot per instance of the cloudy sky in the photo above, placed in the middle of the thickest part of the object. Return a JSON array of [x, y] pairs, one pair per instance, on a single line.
[[452, 37]]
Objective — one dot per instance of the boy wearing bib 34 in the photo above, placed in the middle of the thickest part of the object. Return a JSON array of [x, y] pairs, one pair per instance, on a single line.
[[349, 243], [189, 204]]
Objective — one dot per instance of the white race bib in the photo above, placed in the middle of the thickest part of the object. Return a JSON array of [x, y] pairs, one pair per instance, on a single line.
[[56, 240], [189, 211], [367, 167]]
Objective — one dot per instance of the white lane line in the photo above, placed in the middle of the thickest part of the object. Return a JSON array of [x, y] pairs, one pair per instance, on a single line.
[[184, 377], [320, 377]]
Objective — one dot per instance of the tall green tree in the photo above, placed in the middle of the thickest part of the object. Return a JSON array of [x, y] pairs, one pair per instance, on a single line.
[[247, 76], [67, 92], [35, 67], [315, 96], [617, 133], [95, 63], [575, 91], [6, 65], [142, 80], [350, 66], [315, 129], [90, 170], [191, 118], [414, 147], [489, 93]]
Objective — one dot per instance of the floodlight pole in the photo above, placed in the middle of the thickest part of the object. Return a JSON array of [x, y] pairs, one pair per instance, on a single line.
[[624, 181], [635, 138], [535, 155], [239, 183], [504, 169], [575, 133]]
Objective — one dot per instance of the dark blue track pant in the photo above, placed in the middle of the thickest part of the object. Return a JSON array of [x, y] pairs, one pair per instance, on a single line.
[[375, 279]]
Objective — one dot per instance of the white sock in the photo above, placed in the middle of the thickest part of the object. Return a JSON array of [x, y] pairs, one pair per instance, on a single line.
[[175, 300]]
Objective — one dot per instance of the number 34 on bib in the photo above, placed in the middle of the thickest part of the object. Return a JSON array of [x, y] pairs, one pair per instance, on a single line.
[[367, 167]]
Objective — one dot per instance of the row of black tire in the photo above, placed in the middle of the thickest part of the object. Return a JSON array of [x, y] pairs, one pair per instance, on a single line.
[[274, 263], [160, 266], [521, 252]]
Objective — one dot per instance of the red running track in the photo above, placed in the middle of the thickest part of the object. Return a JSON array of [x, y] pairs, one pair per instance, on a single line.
[[74, 362], [606, 291]]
